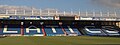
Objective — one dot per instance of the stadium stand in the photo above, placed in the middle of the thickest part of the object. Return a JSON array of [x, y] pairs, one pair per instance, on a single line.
[[11, 30], [25, 22], [57, 30], [33, 30], [111, 30], [93, 31], [53, 30], [75, 30], [71, 30]]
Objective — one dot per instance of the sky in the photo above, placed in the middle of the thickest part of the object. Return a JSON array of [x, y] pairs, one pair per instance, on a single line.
[[58, 4]]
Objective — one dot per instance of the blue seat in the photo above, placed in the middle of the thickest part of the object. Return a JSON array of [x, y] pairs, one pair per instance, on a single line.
[[66, 29], [75, 30], [50, 32], [59, 30], [12, 27]]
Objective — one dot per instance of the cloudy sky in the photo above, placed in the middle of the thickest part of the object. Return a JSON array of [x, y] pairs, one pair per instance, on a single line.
[[66, 4]]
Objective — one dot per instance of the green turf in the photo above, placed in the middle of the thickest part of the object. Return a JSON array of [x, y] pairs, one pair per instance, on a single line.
[[58, 40]]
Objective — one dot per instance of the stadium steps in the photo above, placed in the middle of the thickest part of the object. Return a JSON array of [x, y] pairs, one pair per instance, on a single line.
[[63, 30], [59, 30], [79, 29], [22, 30], [43, 30]]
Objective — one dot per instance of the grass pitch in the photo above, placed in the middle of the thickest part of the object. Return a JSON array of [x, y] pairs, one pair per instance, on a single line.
[[58, 40]]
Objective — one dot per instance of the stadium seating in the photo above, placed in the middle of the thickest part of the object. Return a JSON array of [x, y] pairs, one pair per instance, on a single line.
[[1, 29], [110, 30], [36, 30], [75, 30], [11, 30], [33, 30], [93, 31], [71, 30], [53, 31], [57, 30]]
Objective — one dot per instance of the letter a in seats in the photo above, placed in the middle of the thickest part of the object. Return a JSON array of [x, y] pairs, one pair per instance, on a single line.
[[32, 28]]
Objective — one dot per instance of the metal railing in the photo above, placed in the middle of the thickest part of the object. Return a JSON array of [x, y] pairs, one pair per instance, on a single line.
[[55, 12]]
